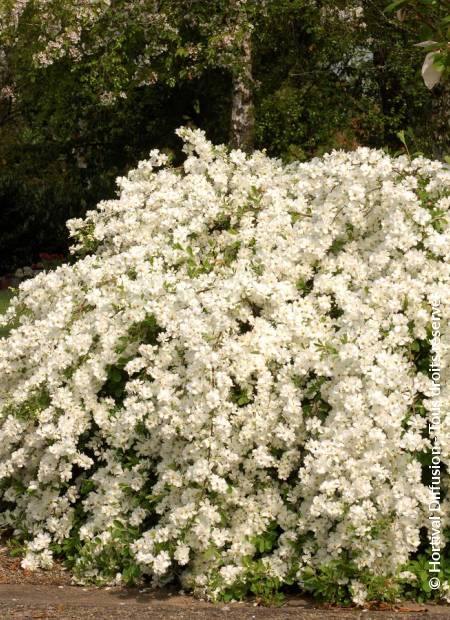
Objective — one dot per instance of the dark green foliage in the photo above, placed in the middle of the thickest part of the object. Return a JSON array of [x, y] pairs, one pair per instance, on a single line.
[[30, 408], [145, 332], [420, 589], [240, 396], [331, 85], [5, 297], [320, 83]]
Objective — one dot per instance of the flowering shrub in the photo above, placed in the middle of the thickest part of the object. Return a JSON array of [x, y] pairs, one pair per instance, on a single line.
[[230, 385]]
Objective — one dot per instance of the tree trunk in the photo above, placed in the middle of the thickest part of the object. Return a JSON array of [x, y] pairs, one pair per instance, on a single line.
[[440, 120], [242, 129]]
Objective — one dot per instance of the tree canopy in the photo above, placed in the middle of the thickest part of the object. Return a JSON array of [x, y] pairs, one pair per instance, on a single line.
[[88, 88]]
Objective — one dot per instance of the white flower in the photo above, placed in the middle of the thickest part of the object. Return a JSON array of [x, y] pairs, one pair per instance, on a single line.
[[359, 592], [230, 573], [161, 563], [181, 554]]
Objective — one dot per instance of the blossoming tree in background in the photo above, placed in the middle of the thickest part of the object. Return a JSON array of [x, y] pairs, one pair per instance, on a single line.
[[127, 44], [131, 44]]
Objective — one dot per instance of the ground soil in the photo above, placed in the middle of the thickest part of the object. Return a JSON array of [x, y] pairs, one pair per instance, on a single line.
[[26, 595]]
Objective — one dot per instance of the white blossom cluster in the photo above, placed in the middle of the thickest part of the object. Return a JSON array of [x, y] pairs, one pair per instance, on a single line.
[[232, 375]]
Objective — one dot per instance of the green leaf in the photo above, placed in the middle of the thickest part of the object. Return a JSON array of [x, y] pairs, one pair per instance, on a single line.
[[395, 5], [131, 574], [115, 376]]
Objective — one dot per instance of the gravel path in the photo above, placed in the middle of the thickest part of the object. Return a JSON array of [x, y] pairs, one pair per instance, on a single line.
[[26, 602]]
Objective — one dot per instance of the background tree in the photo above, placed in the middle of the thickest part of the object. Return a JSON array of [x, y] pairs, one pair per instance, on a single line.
[[123, 45], [88, 88]]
